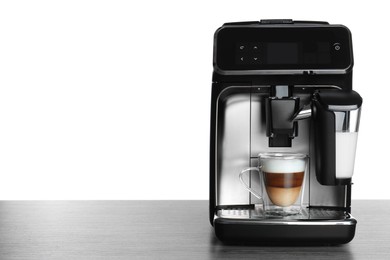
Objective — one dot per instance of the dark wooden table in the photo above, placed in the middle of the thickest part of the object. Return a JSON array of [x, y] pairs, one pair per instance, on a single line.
[[159, 230]]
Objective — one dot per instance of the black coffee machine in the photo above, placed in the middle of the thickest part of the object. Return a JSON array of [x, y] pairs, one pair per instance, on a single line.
[[283, 86]]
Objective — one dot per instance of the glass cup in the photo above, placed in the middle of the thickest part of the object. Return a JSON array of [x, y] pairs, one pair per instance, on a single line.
[[282, 178]]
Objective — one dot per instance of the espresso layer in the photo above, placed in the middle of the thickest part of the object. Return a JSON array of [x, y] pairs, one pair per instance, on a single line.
[[284, 180]]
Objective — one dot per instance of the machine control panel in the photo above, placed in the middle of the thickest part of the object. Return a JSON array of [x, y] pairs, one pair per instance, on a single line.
[[283, 53], [289, 48]]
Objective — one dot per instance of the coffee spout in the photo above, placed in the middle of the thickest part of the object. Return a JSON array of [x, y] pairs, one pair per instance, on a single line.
[[303, 113]]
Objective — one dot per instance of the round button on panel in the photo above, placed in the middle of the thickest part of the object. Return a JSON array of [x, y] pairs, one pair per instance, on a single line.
[[255, 47], [337, 46], [242, 47]]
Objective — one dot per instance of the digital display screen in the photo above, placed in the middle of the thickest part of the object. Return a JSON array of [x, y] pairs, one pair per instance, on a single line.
[[281, 52]]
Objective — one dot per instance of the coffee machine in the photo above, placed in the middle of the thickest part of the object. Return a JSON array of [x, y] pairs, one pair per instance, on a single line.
[[283, 86]]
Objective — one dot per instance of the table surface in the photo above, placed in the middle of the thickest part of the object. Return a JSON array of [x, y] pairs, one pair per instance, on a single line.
[[160, 230]]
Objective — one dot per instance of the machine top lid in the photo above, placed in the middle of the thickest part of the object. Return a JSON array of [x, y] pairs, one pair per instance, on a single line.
[[276, 22]]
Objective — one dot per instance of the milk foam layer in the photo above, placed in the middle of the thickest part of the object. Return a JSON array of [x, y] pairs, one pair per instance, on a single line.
[[282, 165]]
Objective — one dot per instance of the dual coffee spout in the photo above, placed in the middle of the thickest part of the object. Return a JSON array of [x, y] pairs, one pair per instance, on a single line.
[[279, 109]]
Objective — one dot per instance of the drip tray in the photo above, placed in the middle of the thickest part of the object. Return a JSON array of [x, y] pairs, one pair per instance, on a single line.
[[247, 224], [253, 213]]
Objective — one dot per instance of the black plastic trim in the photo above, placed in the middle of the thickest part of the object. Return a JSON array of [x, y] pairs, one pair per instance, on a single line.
[[234, 231], [325, 140]]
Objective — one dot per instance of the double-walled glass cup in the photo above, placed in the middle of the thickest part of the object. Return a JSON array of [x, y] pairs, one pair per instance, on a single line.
[[282, 178]]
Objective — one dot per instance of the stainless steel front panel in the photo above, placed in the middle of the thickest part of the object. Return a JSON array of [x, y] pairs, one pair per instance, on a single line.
[[241, 136]]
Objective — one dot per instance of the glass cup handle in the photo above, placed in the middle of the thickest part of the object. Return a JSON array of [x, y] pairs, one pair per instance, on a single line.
[[246, 185]]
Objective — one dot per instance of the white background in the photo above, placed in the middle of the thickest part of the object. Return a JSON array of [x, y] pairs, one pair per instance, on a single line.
[[111, 99]]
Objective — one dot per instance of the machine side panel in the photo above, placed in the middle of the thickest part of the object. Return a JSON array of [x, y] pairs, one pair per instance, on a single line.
[[233, 148]]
